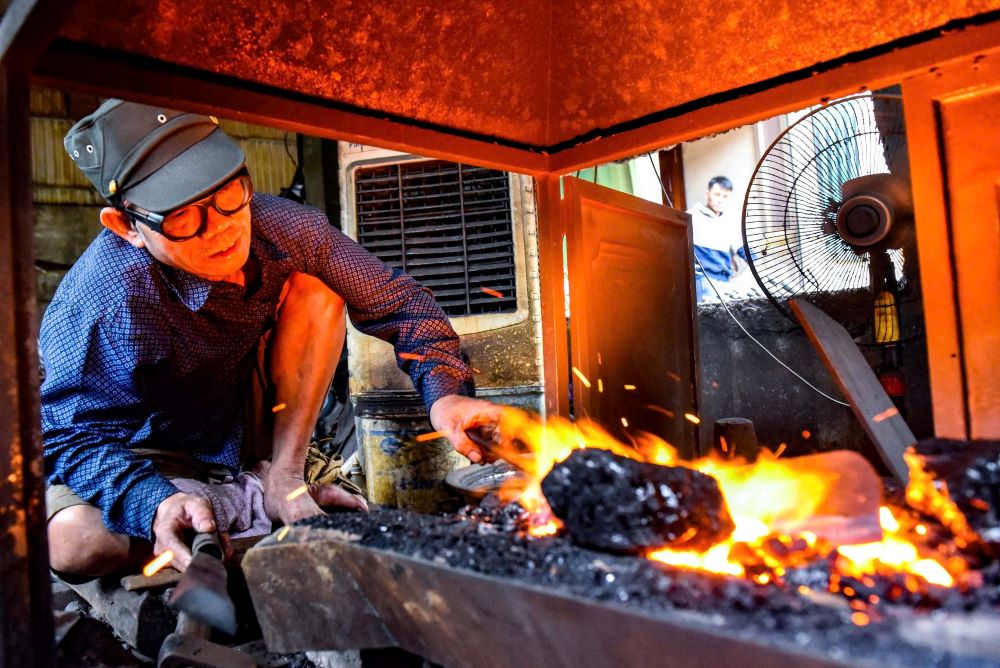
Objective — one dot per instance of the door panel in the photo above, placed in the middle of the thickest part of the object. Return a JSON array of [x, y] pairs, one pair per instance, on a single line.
[[632, 314]]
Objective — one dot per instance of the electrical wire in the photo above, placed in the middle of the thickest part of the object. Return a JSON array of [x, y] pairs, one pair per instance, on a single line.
[[726, 306]]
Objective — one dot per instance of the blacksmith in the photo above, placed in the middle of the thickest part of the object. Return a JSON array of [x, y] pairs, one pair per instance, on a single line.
[[199, 308]]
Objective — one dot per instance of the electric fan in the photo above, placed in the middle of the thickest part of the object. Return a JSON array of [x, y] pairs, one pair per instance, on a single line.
[[828, 215]]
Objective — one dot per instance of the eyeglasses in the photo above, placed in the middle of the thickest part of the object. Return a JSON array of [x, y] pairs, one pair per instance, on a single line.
[[190, 220]]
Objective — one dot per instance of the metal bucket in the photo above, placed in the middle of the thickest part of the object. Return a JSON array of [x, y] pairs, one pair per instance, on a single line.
[[399, 471]]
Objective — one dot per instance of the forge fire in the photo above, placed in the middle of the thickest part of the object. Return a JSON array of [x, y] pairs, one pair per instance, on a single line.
[[771, 545]]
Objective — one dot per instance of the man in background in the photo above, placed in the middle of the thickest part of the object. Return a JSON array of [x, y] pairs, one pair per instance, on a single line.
[[718, 244]]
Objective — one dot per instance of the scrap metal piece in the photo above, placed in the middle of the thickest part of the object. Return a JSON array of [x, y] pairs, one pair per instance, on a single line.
[[202, 591]]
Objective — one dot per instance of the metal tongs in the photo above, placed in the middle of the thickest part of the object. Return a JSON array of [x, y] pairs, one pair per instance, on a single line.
[[495, 446]]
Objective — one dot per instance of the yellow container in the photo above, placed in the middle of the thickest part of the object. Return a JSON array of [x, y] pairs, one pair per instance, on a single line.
[[399, 471]]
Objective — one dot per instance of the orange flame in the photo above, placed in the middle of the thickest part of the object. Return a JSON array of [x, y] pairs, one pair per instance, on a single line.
[[763, 498]]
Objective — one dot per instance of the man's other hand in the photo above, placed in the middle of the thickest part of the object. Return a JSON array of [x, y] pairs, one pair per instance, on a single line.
[[453, 414], [175, 514], [278, 489]]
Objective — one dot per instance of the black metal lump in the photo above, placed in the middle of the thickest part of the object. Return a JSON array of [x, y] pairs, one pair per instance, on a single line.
[[958, 483], [615, 504]]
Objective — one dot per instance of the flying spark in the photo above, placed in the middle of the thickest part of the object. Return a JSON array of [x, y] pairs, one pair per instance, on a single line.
[[429, 436], [492, 293], [411, 356], [886, 414], [281, 534], [693, 419], [583, 379], [279, 407], [297, 492]]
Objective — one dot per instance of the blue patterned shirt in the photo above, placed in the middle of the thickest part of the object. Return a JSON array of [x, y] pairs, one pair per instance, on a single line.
[[141, 355]]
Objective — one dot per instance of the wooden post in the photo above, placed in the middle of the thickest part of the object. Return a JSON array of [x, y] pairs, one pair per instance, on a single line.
[[25, 586], [555, 336]]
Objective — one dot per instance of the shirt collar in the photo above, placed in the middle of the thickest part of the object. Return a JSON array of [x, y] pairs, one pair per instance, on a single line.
[[193, 290], [708, 212]]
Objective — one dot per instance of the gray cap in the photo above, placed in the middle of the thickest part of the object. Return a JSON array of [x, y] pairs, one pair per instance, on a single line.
[[158, 159]]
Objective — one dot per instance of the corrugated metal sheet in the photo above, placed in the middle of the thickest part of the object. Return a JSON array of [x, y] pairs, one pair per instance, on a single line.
[[55, 178], [269, 164], [47, 102]]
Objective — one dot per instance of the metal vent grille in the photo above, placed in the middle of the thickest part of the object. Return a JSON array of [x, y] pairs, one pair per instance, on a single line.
[[448, 225]]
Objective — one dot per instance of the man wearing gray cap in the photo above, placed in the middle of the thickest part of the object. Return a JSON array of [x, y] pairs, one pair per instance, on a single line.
[[198, 309]]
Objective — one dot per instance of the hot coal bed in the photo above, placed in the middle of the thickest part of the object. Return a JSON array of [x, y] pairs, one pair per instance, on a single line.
[[473, 586]]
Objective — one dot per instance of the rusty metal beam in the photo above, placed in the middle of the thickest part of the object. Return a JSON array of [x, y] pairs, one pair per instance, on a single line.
[[792, 92], [84, 68], [25, 586]]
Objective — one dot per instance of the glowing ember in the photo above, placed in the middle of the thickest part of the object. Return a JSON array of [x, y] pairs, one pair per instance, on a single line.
[[429, 436], [625, 423], [806, 434], [629, 387], [411, 356], [694, 419], [583, 379], [887, 520], [780, 450], [600, 385], [492, 293], [159, 562], [893, 552], [297, 492], [279, 407], [550, 528], [860, 619]]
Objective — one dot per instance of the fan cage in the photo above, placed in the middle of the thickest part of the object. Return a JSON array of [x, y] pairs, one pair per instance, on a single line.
[[789, 213]]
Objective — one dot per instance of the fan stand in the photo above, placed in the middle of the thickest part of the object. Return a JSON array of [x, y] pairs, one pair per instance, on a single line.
[[886, 325]]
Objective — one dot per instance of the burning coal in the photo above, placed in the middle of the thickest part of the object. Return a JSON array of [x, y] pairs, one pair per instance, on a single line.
[[615, 504], [773, 519]]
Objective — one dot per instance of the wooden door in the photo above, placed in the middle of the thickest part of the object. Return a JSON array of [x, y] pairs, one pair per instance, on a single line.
[[632, 314]]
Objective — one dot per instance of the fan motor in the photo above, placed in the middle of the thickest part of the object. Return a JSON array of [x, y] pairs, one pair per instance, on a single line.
[[864, 220]]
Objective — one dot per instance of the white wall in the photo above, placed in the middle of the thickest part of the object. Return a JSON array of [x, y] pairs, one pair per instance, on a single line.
[[733, 154]]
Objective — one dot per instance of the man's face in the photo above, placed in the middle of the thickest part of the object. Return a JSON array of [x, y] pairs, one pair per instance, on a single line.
[[217, 253], [716, 198]]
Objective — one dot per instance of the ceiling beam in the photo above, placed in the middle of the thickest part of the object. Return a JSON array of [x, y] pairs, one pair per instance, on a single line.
[[790, 92], [84, 68]]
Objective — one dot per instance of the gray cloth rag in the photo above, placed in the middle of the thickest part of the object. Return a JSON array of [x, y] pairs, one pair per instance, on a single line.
[[238, 503]]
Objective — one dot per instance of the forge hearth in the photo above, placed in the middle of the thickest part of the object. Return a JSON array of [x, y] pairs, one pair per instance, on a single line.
[[472, 589]]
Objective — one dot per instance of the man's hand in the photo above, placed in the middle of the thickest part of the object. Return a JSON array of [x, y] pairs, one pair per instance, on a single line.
[[277, 489], [453, 414], [175, 514]]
